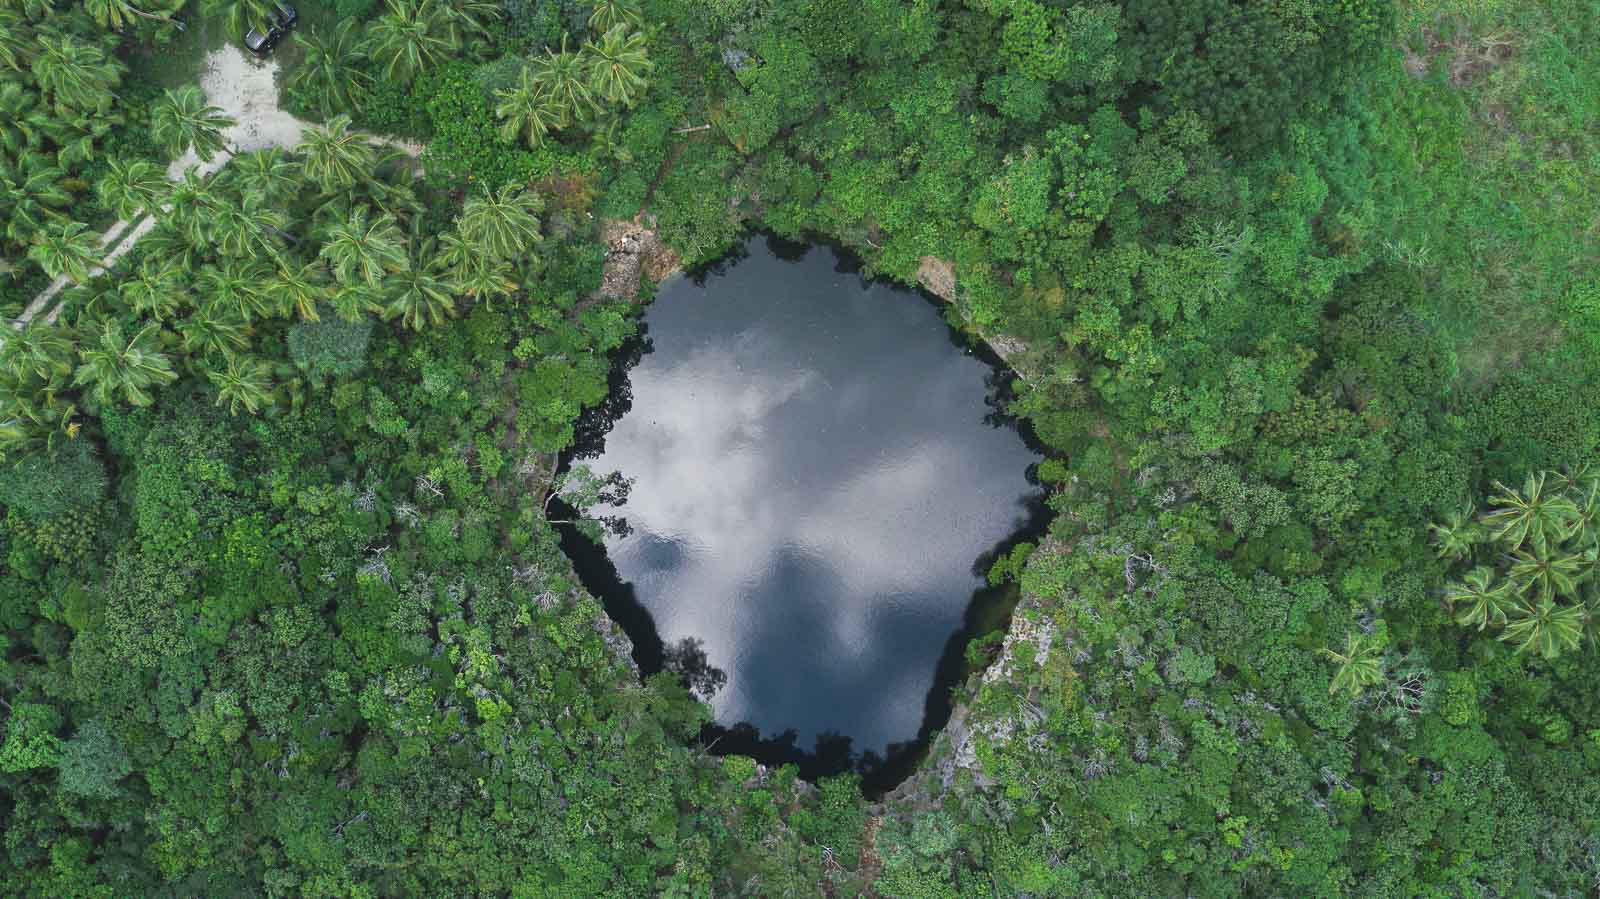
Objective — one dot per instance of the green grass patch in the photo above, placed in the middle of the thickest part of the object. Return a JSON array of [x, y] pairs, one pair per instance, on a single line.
[[1491, 123], [181, 60]]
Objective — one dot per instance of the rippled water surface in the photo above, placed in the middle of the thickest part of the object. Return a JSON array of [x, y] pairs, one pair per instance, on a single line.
[[816, 473]]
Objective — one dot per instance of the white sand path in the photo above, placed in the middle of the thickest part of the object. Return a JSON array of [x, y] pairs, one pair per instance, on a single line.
[[246, 91]]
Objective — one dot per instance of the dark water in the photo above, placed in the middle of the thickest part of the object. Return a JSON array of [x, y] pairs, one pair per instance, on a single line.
[[821, 475]]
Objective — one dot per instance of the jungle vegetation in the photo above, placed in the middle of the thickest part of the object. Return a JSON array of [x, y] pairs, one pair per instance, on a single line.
[[1306, 305]]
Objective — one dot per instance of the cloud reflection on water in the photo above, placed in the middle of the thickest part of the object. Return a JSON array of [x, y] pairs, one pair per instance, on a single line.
[[814, 479]]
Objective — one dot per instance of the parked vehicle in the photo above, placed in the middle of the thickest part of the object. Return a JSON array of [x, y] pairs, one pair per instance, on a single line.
[[279, 22]]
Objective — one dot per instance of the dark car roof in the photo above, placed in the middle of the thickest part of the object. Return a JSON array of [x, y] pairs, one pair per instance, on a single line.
[[278, 22]]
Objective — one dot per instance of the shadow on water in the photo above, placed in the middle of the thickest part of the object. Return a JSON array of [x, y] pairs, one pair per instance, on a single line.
[[590, 430], [988, 610], [600, 578], [589, 559]]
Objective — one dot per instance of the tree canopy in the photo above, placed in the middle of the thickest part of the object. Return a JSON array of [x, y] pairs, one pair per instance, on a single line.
[[1299, 298]]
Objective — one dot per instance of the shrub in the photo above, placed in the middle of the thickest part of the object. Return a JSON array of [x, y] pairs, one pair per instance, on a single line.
[[52, 484], [353, 9], [466, 146], [92, 762], [331, 346]]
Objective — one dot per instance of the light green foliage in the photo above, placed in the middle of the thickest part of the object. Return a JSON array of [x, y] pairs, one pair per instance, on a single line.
[[1076, 46], [1357, 665], [92, 762], [1189, 666], [30, 741], [618, 62]]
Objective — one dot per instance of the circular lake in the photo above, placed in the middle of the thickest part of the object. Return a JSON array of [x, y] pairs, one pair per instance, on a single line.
[[821, 476]]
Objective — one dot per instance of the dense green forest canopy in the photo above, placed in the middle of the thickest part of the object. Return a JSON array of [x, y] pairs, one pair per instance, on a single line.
[[1303, 297]]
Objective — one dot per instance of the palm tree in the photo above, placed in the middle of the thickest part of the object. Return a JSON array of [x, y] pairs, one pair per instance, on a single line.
[[76, 146], [31, 194], [155, 291], [209, 330], [91, 302], [336, 157], [17, 41], [357, 250], [451, 250], [393, 189], [300, 290], [32, 10], [1589, 611], [249, 228], [1359, 665], [195, 199], [408, 38], [71, 250], [168, 243], [34, 413], [129, 188], [331, 73], [74, 75], [1544, 627], [1550, 573], [237, 289], [351, 302], [18, 108], [1585, 531], [1479, 600], [117, 14], [605, 137], [501, 224], [469, 272], [482, 279], [562, 77], [617, 65], [1536, 514], [129, 366], [463, 16], [181, 119], [608, 14], [529, 110], [41, 350], [246, 383], [1457, 535], [1579, 479], [240, 16], [418, 298], [266, 172]]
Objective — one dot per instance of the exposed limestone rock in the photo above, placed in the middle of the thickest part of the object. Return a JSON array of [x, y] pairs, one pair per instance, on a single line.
[[938, 277], [634, 251]]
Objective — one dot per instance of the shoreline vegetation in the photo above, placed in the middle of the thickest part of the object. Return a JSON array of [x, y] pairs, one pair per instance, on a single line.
[[1304, 305]]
